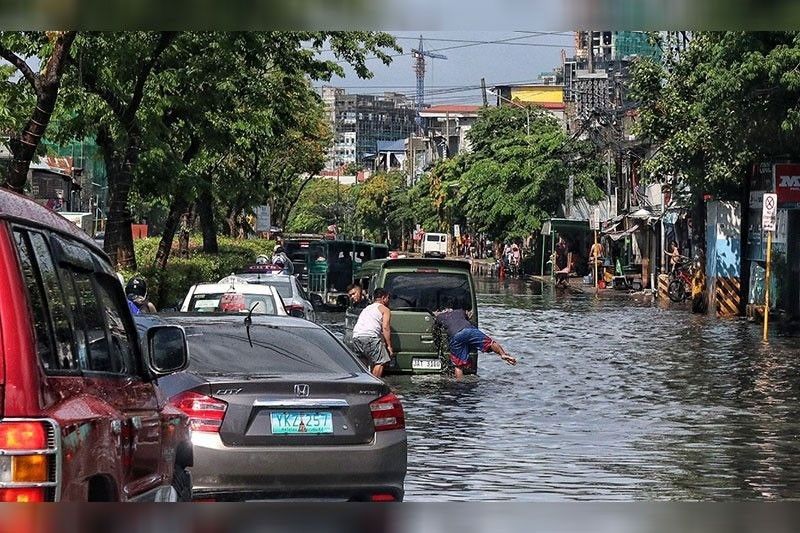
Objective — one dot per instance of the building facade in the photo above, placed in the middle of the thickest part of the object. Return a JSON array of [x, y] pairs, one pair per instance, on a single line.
[[447, 127], [359, 121]]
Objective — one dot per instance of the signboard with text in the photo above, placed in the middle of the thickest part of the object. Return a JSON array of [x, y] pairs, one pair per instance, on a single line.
[[594, 219], [769, 213], [787, 183], [263, 218]]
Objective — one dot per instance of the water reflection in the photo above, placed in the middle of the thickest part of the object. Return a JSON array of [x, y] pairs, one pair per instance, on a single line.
[[612, 400]]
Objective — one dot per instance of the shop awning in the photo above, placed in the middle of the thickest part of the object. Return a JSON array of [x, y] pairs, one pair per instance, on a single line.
[[616, 235]]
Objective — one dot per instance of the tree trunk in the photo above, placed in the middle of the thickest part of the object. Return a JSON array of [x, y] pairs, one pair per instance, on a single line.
[[119, 238], [183, 238], [24, 147], [205, 209], [177, 209], [45, 86]]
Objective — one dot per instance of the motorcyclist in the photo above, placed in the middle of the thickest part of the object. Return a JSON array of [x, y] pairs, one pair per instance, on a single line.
[[136, 291], [279, 258]]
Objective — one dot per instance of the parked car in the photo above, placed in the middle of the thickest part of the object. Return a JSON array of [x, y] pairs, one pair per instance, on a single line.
[[281, 409], [417, 288], [81, 417], [233, 295], [293, 295]]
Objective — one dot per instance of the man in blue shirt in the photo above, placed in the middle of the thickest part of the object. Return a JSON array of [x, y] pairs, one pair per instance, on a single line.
[[465, 337]]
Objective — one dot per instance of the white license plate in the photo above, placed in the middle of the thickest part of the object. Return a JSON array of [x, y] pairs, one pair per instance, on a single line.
[[426, 364]]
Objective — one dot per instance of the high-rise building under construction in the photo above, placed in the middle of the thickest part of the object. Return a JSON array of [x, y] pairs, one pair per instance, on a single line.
[[359, 121]]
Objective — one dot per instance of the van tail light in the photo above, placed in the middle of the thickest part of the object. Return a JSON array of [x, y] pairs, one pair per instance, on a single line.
[[205, 413], [29, 458], [387, 413]]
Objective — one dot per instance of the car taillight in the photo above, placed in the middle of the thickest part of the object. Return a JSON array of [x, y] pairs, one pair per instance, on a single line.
[[296, 310], [382, 497], [28, 460], [387, 413], [205, 413]]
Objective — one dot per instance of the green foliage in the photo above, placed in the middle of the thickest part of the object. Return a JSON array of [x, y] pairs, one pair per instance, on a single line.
[[511, 181], [168, 287], [322, 203], [731, 100]]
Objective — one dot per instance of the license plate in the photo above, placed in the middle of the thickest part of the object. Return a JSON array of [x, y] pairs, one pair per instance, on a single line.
[[297, 423], [426, 364]]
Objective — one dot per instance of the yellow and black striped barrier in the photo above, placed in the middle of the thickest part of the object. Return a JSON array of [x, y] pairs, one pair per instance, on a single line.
[[727, 292]]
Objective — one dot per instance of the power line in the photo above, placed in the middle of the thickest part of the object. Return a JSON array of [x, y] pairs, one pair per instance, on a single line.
[[509, 41]]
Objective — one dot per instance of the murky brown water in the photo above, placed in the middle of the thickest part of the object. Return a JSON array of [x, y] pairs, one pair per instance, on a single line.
[[611, 400]]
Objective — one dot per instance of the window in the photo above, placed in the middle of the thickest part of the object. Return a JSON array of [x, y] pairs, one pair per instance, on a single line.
[[225, 347], [428, 290], [90, 313], [74, 312], [219, 302], [37, 300], [123, 352], [62, 328]]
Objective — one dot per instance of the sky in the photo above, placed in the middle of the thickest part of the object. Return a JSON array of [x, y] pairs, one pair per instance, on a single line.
[[524, 56]]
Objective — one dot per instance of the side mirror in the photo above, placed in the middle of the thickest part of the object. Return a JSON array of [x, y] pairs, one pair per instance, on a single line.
[[167, 350], [299, 313]]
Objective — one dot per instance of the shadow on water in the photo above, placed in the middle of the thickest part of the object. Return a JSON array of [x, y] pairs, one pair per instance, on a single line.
[[611, 400]]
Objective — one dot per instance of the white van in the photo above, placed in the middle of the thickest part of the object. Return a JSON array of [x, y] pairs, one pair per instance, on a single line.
[[435, 244]]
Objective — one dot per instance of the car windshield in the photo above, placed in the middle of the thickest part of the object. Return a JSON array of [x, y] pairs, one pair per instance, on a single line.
[[283, 285], [427, 290], [225, 347], [232, 302]]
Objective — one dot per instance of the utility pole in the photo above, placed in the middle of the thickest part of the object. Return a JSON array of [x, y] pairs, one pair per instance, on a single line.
[[483, 88]]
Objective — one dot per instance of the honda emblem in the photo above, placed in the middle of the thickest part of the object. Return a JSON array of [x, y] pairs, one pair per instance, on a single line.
[[301, 390]]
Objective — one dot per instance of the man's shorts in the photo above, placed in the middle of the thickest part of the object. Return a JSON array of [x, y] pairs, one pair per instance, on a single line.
[[464, 342], [372, 349]]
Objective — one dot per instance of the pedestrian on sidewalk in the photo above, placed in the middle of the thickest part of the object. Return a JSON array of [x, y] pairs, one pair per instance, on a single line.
[[465, 337], [372, 337]]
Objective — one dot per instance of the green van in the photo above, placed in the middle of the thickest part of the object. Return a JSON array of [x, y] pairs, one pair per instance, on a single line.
[[417, 287]]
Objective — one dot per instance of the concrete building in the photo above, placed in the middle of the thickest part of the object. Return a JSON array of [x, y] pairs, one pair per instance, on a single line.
[[548, 96], [359, 121], [447, 126]]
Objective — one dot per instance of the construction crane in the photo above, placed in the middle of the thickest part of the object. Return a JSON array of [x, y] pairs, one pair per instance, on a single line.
[[419, 55]]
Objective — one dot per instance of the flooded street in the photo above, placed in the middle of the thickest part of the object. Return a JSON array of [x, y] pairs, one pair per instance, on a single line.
[[611, 400]]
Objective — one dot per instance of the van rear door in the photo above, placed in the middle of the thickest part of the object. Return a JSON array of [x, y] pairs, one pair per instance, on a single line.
[[416, 292]]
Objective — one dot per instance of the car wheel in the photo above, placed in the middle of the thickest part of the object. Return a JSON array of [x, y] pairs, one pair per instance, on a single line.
[[182, 483]]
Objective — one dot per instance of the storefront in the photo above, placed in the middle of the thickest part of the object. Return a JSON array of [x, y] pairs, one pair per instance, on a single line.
[[784, 180]]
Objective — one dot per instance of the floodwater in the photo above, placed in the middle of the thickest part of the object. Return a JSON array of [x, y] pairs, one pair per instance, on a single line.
[[612, 399]]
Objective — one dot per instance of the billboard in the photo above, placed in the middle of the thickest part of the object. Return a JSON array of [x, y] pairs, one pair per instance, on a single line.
[[787, 184]]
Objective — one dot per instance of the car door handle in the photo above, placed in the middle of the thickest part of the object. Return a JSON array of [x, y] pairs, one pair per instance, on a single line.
[[426, 339]]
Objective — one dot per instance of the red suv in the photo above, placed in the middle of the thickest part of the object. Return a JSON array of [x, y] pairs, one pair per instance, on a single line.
[[80, 415]]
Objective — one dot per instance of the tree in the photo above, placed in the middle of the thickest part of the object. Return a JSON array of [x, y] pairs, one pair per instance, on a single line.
[[52, 49], [137, 84], [730, 100], [511, 182]]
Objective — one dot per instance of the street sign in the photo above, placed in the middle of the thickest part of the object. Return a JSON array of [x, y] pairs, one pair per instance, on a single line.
[[769, 214], [594, 219], [263, 219], [456, 230]]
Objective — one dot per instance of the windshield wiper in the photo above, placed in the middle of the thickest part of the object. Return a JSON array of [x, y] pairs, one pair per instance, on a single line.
[[248, 321]]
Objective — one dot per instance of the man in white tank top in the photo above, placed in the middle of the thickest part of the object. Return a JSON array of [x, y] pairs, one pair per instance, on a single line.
[[372, 338]]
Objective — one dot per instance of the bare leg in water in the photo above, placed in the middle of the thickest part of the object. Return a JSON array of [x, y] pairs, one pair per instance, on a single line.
[[496, 348]]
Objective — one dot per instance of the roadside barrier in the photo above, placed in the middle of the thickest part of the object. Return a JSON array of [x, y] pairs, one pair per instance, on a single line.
[[727, 296]]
